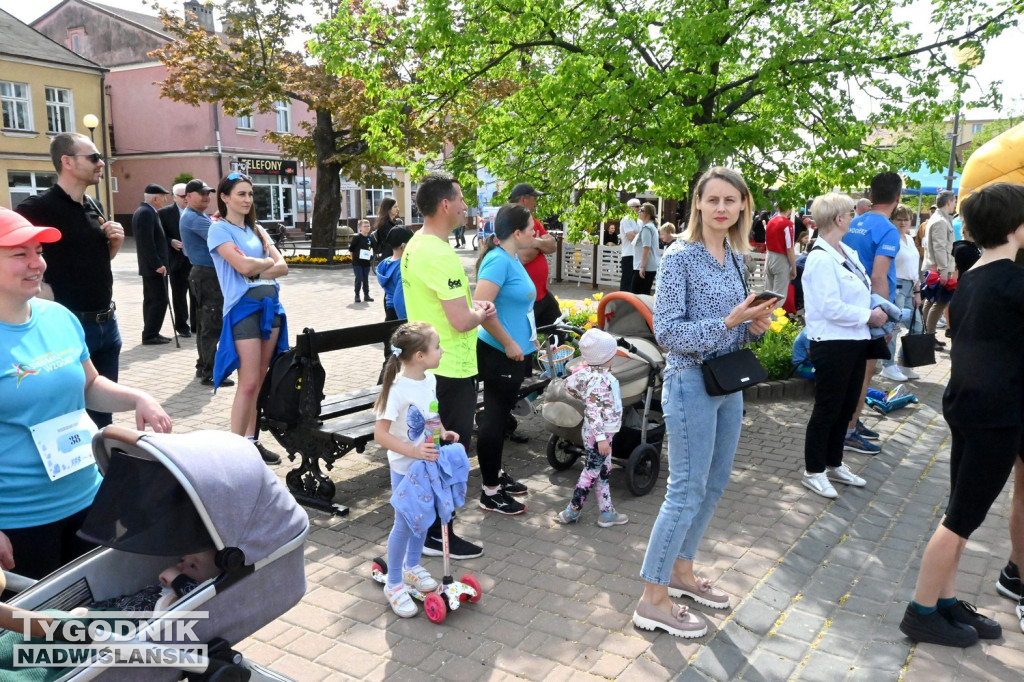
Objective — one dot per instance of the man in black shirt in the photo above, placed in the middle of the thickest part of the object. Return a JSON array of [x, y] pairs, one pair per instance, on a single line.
[[78, 274]]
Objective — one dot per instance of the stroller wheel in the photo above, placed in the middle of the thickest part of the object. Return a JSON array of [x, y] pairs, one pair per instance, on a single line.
[[471, 581], [559, 457], [435, 607], [642, 469]]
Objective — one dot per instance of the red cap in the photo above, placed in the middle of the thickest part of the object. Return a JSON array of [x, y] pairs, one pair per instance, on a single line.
[[15, 230]]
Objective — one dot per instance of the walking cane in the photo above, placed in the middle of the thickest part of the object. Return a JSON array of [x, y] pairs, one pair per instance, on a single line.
[[170, 309]]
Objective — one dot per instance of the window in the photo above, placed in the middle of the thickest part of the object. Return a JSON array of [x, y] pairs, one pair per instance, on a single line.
[[24, 184], [374, 195], [60, 114], [77, 40], [284, 116], [976, 128], [245, 122], [415, 215], [16, 105]]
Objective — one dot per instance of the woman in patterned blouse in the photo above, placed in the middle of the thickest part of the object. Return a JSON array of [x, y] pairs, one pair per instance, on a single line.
[[700, 310]]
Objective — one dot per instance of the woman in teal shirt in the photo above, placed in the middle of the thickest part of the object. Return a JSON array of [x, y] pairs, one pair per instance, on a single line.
[[47, 482], [504, 346]]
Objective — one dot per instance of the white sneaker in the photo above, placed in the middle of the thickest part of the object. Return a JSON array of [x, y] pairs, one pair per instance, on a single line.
[[893, 373], [401, 603], [1020, 615], [842, 474], [420, 578], [820, 484], [909, 373]]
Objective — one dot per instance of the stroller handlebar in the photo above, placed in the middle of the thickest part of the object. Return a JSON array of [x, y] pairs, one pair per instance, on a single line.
[[559, 327]]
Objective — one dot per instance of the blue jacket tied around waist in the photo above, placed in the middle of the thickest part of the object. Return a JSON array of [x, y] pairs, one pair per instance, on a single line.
[[226, 360], [439, 485]]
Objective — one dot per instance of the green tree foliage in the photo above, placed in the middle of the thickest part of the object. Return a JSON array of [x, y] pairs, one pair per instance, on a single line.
[[591, 97], [251, 66]]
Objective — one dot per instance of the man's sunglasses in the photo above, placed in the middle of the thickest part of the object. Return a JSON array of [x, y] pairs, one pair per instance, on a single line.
[[238, 176], [95, 157]]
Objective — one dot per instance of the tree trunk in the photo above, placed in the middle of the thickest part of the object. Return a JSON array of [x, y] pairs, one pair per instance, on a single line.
[[327, 202]]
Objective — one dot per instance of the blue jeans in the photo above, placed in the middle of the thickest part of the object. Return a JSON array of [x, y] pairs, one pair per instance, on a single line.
[[404, 548], [104, 342], [362, 279], [703, 432], [904, 300]]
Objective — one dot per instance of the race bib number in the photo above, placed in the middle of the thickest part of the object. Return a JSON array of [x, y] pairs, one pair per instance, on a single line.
[[65, 443], [533, 325], [364, 254]]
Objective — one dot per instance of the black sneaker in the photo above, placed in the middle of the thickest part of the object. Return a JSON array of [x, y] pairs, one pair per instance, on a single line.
[[1009, 584], [936, 628], [501, 503], [965, 613], [509, 485], [268, 456], [457, 547]]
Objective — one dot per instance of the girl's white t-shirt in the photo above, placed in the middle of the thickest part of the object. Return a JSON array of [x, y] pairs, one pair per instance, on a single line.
[[408, 407], [908, 260]]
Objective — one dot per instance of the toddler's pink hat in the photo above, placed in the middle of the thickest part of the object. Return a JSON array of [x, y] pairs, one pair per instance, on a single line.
[[597, 347]]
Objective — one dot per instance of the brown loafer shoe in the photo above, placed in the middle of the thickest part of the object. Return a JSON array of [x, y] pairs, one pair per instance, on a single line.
[[681, 623], [702, 593]]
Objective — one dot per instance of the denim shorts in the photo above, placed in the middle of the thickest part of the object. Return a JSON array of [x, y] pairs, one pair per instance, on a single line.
[[249, 327]]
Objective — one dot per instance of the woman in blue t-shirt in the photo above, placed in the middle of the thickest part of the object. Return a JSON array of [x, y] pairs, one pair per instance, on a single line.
[[47, 475], [505, 343], [255, 327]]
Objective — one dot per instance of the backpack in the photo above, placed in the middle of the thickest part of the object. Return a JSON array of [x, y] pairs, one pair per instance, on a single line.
[[281, 397]]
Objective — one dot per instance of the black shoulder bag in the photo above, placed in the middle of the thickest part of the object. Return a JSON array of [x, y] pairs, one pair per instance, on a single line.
[[735, 371], [918, 349]]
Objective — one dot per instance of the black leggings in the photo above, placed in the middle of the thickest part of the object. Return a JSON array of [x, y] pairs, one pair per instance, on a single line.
[[839, 368], [643, 285], [502, 378], [980, 461], [41, 550]]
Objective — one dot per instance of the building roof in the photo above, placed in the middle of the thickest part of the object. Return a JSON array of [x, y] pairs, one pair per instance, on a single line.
[[21, 40], [147, 22]]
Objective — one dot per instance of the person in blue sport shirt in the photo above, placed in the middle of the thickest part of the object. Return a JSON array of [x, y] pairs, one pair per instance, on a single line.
[[876, 241]]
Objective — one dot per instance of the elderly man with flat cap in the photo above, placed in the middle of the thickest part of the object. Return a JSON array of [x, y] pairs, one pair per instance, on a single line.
[[545, 308], [152, 251]]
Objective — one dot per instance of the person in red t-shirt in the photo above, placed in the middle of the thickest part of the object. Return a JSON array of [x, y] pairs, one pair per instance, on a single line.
[[780, 266], [545, 308]]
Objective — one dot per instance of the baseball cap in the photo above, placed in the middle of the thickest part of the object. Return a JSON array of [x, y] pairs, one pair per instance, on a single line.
[[15, 230], [197, 185], [153, 188], [597, 347], [398, 236], [523, 189]]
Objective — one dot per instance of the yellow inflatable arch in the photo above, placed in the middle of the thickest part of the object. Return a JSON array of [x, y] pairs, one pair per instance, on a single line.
[[1001, 159]]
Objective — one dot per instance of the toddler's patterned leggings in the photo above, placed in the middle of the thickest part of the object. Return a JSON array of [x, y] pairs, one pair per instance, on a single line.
[[596, 470]]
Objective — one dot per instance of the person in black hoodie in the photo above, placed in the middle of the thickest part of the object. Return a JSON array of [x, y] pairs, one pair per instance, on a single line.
[[362, 256]]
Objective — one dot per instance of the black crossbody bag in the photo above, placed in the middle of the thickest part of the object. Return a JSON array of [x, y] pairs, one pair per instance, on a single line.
[[735, 371]]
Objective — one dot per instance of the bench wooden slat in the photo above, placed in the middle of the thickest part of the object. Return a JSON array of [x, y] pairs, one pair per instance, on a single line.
[[311, 341], [347, 403]]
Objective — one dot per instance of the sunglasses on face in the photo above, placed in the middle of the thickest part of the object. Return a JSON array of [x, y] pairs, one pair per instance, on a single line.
[[239, 176], [95, 157]]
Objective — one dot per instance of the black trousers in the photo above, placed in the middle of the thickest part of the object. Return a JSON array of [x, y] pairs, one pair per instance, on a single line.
[[41, 550], [456, 405], [626, 278], [545, 310], [502, 378], [643, 285], [180, 298], [839, 368], [209, 302], [154, 305]]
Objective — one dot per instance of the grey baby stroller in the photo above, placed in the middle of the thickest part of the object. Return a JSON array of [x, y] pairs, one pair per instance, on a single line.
[[637, 366], [164, 496]]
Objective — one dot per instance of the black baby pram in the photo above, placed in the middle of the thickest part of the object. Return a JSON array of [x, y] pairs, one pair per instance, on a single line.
[[166, 495]]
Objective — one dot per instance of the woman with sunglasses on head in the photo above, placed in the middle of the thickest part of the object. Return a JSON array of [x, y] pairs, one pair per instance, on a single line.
[[255, 329]]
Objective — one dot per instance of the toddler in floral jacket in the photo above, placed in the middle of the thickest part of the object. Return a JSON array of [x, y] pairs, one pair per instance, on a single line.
[[594, 384]]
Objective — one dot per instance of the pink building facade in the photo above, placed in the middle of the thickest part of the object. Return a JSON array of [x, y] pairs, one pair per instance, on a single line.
[[156, 140]]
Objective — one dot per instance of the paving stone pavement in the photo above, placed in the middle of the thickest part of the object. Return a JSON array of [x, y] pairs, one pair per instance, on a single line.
[[818, 586]]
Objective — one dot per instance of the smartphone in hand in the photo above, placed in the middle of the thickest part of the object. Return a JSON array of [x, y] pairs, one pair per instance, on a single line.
[[767, 296]]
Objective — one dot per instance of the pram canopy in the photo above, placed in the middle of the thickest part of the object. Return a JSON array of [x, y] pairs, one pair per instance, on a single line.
[[190, 492]]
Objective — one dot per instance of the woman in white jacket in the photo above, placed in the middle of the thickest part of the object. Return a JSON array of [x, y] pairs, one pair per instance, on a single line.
[[837, 308]]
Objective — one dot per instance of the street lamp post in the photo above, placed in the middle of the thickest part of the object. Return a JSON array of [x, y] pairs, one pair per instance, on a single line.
[[90, 121]]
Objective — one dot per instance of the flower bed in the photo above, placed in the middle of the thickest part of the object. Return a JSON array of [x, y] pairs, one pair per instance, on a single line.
[[307, 260], [775, 349]]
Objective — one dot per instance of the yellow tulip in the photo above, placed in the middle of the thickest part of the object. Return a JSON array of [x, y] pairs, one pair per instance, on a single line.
[[592, 319], [588, 326], [780, 312], [776, 326], [598, 296]]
